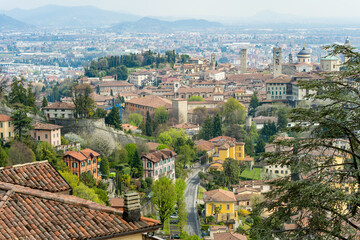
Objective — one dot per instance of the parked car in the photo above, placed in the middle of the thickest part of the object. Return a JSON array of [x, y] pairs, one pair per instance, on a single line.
[[175, 236]]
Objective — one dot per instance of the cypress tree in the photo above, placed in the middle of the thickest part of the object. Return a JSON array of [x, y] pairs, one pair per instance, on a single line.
[[44, 102], [217, 126], [206, 130], [104, 167], [113, 118]]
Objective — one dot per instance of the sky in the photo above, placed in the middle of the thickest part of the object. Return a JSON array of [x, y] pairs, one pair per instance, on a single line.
[[211, 9]]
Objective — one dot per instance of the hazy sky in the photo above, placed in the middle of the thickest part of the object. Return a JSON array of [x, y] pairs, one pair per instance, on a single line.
[[207, 8]]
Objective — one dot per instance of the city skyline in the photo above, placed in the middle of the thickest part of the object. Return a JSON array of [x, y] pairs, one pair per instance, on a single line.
[[205, 9]]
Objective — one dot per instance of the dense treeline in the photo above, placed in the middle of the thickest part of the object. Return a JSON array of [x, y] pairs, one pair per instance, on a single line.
[[117, 65]]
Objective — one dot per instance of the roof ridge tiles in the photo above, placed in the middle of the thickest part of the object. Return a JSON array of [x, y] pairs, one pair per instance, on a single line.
[[24, 164], [68, 199]]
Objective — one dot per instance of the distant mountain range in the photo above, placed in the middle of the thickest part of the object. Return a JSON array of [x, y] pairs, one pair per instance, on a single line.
[[62, 16], [9, 23], [148, 24]]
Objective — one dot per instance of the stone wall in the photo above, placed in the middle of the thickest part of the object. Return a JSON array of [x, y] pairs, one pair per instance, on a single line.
[[86, 128]]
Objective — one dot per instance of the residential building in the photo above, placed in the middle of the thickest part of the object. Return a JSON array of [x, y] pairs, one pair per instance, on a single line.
[[261, 120], [6, 127], [227, 147], [276, 89], [59, 110], [190, 129], [278, 170], [159, 163], [138, 78], [149, 103], [215, 75], [82, 161], [221, 204], [115, 87], [203, 145], [47, 133]]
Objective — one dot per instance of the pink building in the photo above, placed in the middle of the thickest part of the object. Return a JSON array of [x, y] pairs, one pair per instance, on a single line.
[[47, 132], [159, 163]]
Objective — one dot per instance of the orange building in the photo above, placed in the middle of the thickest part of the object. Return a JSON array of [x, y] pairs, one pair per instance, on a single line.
[[82, 161], [149, 103]]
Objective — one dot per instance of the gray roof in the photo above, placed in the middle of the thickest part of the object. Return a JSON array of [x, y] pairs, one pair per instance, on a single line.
[[304, 52]]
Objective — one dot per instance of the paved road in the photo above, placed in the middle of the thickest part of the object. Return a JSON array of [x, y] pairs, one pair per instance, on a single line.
[[193, 226]]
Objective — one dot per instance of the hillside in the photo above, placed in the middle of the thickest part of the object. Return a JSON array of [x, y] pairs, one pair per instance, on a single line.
[[9, 23]]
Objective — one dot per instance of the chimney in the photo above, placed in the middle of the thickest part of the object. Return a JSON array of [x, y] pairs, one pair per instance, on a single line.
[[132, 207]]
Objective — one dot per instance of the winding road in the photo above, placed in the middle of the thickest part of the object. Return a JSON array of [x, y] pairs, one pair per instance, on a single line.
[[193, 226]]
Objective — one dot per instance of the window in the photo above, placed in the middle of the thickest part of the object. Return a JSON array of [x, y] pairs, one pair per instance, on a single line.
[[74, 165], [276, 171], [1, 125], [89, 172], [168, 168], [75, 173], [164, 170], [83, 164], [46, 136], [89, 162], [57, 134], [2, 135], [9, 124], [227, 206], [156, 173], [94, 160], [9, 134], [94, 170]]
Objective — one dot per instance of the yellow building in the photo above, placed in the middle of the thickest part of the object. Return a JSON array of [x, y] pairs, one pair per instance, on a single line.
[[227, 147], [221, 204], [6, 127]]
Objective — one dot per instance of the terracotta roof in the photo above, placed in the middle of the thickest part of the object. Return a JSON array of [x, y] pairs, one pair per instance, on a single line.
[[33, 214], [222, 138], [115, 84], [196, 90], [247, 189], [61, 105], [37, 175], [229, 236], [5, 118], [82, 154], [45, 126], [204, 145], [151, 101], [158, 155], [281, 79], [219, 195]]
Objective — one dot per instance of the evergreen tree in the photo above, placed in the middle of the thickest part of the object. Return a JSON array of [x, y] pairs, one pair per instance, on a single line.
[[30, 99], [22, 123], [254, 103], [137, 163], [118, 183], [18, 92], [148, 125], [282, 119], [217, 126], [206, 130], [104, 168], [98, 89], [249, 146], [111, 93], [260, 147], [44, 102], [113, 118]]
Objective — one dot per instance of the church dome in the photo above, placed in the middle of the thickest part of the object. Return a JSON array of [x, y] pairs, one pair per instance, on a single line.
[[304, 53]]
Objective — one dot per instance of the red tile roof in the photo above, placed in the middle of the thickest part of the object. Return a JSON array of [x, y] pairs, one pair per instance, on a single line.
[[37, 175], [219, 195], [46, 126], [151, 101], [61, 105], [33, 214], [158, 155], [229, 236], [5, 118], [82, 154]]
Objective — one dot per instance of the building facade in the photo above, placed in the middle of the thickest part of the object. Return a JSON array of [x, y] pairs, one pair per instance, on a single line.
[[60, 110], [159, 163], [82, 161], [47, 133], [6, 127]]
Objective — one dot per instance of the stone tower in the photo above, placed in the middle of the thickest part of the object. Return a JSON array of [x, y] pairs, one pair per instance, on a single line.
[[290, 58], [347, 44], [243, 60], [277, 68], [180, 110], [213, 61]]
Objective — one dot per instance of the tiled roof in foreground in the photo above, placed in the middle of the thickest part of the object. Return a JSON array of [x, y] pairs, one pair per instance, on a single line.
[[37, 175], [33, 214]]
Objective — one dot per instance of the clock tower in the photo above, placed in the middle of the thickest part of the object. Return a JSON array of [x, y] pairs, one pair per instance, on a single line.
[[277, 68]]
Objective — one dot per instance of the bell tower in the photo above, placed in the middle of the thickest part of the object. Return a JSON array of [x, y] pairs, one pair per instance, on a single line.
[[243, 60], [213, 61], [277, 68]]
